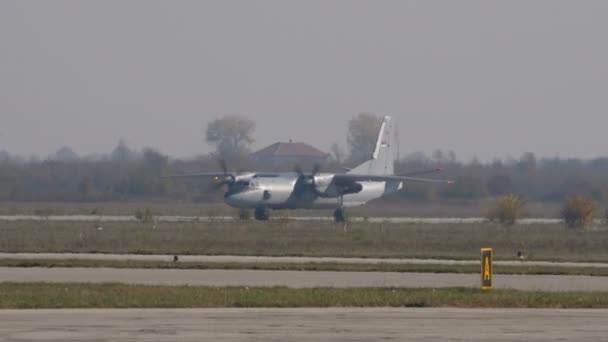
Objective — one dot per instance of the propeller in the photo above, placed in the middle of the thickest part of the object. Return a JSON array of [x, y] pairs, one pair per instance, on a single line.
[[315, 170], [306, 181], [226, 179]]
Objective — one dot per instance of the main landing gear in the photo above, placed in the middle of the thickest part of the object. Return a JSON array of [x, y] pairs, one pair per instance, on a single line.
[[339, 216], [261, 214]]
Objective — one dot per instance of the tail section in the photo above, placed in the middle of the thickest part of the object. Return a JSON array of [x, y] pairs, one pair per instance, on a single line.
[[382, 161]]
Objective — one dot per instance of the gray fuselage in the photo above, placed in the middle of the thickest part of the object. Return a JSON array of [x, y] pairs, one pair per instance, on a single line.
[[278, 192]]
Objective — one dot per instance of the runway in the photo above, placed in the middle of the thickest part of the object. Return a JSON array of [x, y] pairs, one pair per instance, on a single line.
[[285, 260], [297, 279], [340, 324]]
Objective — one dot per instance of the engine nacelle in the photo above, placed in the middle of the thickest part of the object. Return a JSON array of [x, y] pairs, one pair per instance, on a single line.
[[353, 188], [326, 187]]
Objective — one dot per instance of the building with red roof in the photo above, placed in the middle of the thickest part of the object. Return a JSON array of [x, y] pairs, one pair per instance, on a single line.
[[288, 152]]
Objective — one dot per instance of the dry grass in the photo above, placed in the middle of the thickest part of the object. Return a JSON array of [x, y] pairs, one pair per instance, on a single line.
[[42, 295], [386, 207], [281, 237]]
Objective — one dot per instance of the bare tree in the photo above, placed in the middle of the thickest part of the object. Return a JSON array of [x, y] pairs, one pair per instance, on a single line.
[[362, 135], [231, 134]]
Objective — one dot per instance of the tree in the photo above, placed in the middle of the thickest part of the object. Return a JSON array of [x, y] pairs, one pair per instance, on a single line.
[[337, 152], [499, 185], [527, 162], [506, 210], [362, 135], [465, 187], [4, 156], [154, 161], [438, 156], [122, 152], [577, 212], [451, 157], [64, 154], [231, 135]]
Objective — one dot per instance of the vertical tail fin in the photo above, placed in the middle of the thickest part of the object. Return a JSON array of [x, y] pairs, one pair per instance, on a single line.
[[382, 160]]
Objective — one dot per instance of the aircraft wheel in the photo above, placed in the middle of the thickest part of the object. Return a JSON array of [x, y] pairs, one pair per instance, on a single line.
[[339, 215], [261, 214]]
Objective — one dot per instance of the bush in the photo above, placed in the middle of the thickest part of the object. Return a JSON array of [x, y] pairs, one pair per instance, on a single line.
[[577, 212], [506, 210]]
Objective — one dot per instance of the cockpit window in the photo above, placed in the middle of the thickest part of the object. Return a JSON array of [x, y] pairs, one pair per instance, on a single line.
[[247, 184], [242, 184]]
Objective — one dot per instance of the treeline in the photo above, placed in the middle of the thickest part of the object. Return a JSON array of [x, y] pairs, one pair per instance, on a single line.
[[544, 180], [139, 174], [125, 173]]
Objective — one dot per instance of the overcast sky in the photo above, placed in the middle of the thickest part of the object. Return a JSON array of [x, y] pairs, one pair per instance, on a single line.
[[484, 78]]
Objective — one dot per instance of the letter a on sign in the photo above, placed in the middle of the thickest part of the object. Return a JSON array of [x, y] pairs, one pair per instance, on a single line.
[[486, 268]]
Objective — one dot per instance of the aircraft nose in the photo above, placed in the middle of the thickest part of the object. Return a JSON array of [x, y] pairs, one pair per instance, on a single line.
[[231, 199], [242, 199], [237, 199]]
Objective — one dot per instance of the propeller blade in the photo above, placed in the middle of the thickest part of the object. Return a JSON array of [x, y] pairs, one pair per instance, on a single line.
[[223, 166], [228, 178]]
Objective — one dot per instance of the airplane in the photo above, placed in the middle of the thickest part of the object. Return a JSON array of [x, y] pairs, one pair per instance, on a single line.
[[263, 191]]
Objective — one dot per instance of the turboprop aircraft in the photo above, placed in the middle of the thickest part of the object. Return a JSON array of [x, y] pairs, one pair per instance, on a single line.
[[262, 191]]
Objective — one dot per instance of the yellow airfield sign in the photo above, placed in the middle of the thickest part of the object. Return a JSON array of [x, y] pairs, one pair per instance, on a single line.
[[487, 255]]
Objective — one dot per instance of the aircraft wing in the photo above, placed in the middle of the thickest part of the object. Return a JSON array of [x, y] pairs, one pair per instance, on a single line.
[[199, 175], [384, 178], [223, 175]]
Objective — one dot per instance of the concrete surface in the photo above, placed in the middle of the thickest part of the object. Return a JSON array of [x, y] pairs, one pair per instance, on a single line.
[[297, 279], [290, 260], [342, 324]]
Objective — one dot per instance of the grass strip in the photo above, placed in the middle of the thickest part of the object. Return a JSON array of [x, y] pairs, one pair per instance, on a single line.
[[70, 295], [296, 238], [311, 266]]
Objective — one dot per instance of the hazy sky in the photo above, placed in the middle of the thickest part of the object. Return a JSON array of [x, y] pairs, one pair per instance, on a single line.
[[484, 78]]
